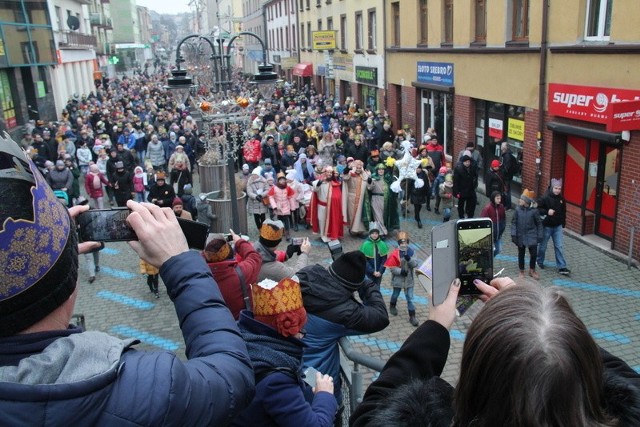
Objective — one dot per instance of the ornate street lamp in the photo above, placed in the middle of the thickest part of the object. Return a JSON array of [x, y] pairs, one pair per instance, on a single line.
[[225, 109]]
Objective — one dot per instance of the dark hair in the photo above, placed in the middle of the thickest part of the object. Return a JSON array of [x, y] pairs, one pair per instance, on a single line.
[[528, 360], [54, 288]]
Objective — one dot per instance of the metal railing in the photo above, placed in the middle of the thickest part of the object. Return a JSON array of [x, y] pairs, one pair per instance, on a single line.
[[74, 39], [351, 375]]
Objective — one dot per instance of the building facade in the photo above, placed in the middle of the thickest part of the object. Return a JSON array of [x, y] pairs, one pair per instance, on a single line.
[[282, 36], [555, 80]]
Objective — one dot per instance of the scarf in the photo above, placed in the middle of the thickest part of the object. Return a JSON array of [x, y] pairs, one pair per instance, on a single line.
[[268, 352]]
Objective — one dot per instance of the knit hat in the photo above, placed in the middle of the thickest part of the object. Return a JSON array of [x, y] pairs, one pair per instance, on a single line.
[[465, 158], [279, 305], [177, 202], [245, 167], [528, 196], [556, 182], [267, 161], [271, 233], [448, 180], [38, 244], [495, 163], [349, 269], [257, 171], [60, 163], [443, 170], [217, 250], [188, 189]]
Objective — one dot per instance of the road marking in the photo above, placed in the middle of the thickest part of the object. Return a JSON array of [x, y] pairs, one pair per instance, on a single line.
[[393, 346], [609, 336], [109, 251], [596, 288], [119, 274], [123, 299], [145, 337]]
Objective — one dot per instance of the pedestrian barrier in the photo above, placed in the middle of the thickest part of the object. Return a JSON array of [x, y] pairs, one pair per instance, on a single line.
[[351, 376]]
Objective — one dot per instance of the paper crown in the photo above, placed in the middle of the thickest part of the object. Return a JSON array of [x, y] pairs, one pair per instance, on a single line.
[[279, 305], [217, 250], [271, 231], [403, 236], [29, 247]]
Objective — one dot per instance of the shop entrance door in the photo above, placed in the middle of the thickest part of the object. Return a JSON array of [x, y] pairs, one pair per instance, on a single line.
[[427, 113], [591, 182]]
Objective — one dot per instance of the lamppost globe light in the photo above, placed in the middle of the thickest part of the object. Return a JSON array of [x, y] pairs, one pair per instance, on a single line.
[[266, 80], [181, 84]]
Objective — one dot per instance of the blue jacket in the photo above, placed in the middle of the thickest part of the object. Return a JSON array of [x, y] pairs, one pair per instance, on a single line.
[[91, 378]]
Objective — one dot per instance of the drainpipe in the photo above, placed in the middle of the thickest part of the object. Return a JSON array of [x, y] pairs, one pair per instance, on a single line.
[[542, 90], [385, 83]]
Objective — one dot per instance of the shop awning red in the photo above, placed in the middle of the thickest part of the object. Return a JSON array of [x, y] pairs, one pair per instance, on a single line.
[[304, 69]]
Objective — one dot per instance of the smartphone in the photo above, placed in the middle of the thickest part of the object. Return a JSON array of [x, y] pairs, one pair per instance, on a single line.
[[310, 376], [474, 253], [297, 241], [110, 225], [443, 260]]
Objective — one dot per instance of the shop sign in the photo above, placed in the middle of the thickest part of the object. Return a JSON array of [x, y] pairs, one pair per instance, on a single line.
[[495, 128], [343, 62], [322, 70], [323, 40], [515, 129], [367, 75], [288, 63], [624, 115], [588, 103], [440, 73]]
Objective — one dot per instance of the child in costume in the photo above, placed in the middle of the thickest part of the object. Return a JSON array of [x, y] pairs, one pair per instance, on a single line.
[[402, 262], [376, 251]]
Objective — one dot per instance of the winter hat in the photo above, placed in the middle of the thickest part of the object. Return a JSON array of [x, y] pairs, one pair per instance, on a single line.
[[257, 171], [177, 202], [443, 170], [465, 158], [138, 169], [271, 233], [217, 250], [267, 161], [528, 196], [160, 176], [403, 237], [38, 274], [94, 168], [119, 165], [188, 189], [556, 182], [60, 163], [448, 180], [374, 227], [245, 167], [279, 305], [495, 163], [349, 269], [302, 156]]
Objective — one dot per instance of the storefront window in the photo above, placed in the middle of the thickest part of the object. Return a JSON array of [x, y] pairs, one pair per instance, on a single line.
[[369, 96], [8, 107]]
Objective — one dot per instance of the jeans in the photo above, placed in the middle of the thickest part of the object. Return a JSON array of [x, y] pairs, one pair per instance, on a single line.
[[555, 233], [408, 294]]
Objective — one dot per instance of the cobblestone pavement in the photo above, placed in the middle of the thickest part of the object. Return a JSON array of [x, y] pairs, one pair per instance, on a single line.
[[604, 293]]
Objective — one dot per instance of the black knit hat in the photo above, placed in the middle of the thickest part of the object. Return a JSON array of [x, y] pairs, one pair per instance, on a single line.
[[349, 269]]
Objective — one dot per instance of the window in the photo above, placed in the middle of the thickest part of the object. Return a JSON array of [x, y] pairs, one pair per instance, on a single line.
[[395, 24], [423, 13], [308, 4], [286, 39], [480, 21], [598, 26], [520, 23], [343, 32], [309, 35], [319, 24], [448, 22], [58, 17], [329, 23], [371, 29], [294, 36], [359, 31], [302, 34], [318, 3]]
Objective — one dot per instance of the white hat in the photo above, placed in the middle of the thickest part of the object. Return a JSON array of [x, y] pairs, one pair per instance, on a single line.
[[291, 175], [257, 171], [245, 167]]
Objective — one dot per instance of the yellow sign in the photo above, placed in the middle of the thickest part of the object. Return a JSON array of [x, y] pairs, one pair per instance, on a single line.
[[288, 63], [323, 40], [515, 129]]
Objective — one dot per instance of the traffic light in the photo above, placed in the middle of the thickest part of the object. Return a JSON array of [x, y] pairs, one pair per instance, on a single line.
[[113, 60]]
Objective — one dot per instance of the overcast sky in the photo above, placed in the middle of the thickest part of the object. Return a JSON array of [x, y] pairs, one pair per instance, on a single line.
[[166, 6]]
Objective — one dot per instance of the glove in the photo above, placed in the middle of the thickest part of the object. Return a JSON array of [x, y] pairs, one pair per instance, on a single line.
[[293, 249], [370, 180], [259, 198], [404, 272], [407, 257]]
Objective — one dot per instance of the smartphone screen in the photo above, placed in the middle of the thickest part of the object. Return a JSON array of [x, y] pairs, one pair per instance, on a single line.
[[105, 225], [110, 225], [474, 253]]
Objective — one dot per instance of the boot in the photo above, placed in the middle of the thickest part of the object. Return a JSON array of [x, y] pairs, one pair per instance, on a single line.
[[393, 310], [521, 275], [412, 318], [533, 273], [419, 223]]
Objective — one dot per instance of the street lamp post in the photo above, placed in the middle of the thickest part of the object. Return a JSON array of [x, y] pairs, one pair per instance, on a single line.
[[265, 80]]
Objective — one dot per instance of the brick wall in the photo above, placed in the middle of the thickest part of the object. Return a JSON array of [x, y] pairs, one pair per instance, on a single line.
[[628, 214], [463, 123]]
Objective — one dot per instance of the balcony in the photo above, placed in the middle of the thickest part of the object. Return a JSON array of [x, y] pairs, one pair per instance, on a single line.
[[73, 40], [105, 49], [100, 21]]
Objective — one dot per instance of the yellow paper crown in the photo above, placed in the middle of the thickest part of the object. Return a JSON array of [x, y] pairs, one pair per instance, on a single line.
[[271, 230], [270, 300]]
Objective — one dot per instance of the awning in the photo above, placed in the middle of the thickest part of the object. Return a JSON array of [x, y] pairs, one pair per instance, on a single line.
[[304, 69], [609, 137]]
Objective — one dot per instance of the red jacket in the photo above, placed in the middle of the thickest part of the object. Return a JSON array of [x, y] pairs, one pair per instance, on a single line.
[[252, 151], [93, 192], [227, 278]]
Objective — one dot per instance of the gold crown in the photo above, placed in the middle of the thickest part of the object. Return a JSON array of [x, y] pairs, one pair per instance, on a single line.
[[271, 231], [403, 236], [284, 297], [220, 255]]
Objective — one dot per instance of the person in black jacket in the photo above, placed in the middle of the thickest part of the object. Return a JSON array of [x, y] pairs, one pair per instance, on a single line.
[[333, 312], [553, 209], [507, 358], [494, 179], [465, 182], [161, 193], [357, 150], [122, 184]]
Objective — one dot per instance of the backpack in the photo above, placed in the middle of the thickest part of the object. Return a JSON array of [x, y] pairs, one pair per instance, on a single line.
[[513, 166]]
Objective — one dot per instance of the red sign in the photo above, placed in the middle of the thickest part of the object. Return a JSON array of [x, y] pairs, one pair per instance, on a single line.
[[588, 103], [624, 115]]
